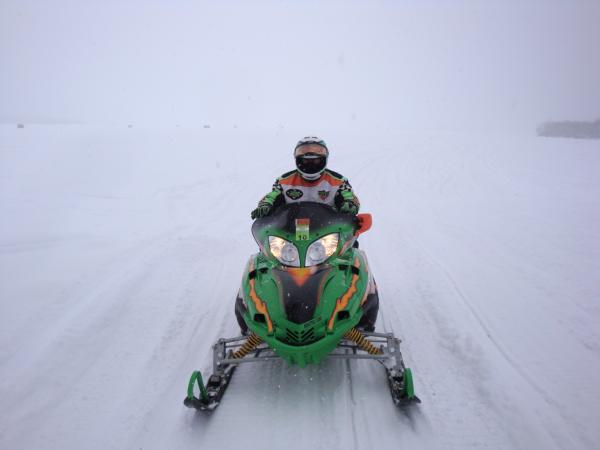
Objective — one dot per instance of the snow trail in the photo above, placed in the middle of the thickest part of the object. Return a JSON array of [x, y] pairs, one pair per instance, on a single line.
[[119, 269]]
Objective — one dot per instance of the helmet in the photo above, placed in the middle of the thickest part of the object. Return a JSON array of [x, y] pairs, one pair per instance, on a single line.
[[311, 157]]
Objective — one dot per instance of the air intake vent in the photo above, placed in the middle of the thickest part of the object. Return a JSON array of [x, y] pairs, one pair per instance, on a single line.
[[303, 337], [342, 315]]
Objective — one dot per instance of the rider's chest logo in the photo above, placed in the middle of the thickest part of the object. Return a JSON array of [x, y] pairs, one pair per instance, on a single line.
[[323, 195], [294, 194]]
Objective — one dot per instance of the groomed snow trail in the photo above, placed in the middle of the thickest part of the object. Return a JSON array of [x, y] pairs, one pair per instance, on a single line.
[[121, 252]]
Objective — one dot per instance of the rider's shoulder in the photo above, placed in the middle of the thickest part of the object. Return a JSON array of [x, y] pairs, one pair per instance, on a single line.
[[287, 175], [336, 175]]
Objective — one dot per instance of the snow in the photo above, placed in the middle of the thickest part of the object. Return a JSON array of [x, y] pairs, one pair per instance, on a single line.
[[150, 130], [121, 250]]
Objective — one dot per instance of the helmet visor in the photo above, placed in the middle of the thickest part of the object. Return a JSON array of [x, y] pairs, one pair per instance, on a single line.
[[310, 148], [311, 163]]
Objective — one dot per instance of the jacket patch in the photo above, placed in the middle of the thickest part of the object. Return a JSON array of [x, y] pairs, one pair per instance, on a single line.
[[323, 194], [294, 194]]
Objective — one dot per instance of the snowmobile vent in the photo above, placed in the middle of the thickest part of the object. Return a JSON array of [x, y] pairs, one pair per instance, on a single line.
[[353, 269], [304, 337], [343, 315]]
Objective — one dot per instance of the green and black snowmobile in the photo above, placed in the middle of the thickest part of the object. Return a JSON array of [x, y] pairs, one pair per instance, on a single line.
[[307, 295]]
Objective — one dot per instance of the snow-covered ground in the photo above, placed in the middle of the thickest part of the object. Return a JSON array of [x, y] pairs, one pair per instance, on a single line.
[[121, 251]]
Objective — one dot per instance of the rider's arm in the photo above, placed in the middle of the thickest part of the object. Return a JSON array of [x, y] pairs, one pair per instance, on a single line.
[[269, 201], [345, 199], [274, 197]]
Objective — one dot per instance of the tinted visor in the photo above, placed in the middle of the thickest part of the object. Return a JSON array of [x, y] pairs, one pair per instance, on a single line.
[[311, 163]]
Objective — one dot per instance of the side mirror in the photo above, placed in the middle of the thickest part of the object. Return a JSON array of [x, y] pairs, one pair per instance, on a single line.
[[365, 221]]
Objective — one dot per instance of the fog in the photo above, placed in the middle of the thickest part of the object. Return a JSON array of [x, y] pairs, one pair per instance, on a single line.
[[317, 66]]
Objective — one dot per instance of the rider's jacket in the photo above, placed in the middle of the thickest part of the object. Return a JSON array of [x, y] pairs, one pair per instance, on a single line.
[[330, 188]]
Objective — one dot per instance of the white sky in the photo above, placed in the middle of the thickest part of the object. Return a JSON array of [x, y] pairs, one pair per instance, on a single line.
[[344, 65]]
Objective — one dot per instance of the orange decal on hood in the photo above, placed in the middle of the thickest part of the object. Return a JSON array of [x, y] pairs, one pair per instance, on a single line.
[[260, 306], [300, 274], [342, 302]]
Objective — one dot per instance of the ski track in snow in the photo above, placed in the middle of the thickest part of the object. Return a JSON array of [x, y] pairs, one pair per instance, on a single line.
[[102, 360]]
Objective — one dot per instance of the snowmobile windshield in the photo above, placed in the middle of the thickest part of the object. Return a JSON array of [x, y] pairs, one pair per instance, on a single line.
[[290, 218]]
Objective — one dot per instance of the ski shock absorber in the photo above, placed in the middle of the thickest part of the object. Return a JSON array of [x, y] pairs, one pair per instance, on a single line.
[[251, 343], [359, 339]]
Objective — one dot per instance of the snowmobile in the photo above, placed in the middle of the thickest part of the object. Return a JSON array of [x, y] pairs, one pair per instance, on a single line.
[[307, 295]]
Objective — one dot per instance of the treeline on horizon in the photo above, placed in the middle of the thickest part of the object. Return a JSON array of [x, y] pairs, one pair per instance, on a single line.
[[570, 129]]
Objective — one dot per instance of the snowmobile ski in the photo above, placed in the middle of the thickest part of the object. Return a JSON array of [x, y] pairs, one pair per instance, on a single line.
[[229, 353], [210, 394]]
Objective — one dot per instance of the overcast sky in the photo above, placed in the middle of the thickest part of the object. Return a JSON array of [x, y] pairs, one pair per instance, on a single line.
[[345, 65]]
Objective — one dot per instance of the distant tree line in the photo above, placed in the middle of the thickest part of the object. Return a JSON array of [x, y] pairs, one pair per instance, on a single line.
[[570, 129]]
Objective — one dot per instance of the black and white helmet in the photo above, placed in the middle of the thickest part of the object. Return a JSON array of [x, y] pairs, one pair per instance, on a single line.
[[311, 155]]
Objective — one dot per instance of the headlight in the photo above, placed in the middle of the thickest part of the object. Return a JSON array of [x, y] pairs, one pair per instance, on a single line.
[[285, 252], [321, 249]]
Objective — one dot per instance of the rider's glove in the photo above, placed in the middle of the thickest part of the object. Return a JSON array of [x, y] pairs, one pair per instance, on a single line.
[[348, 207], [263, 210], [348, 203], [266, 204]]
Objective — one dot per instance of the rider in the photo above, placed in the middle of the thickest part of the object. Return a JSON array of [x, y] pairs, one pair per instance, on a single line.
[[311, 182]]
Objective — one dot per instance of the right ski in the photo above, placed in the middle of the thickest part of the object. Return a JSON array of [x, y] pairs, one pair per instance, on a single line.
[[211, 393]]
